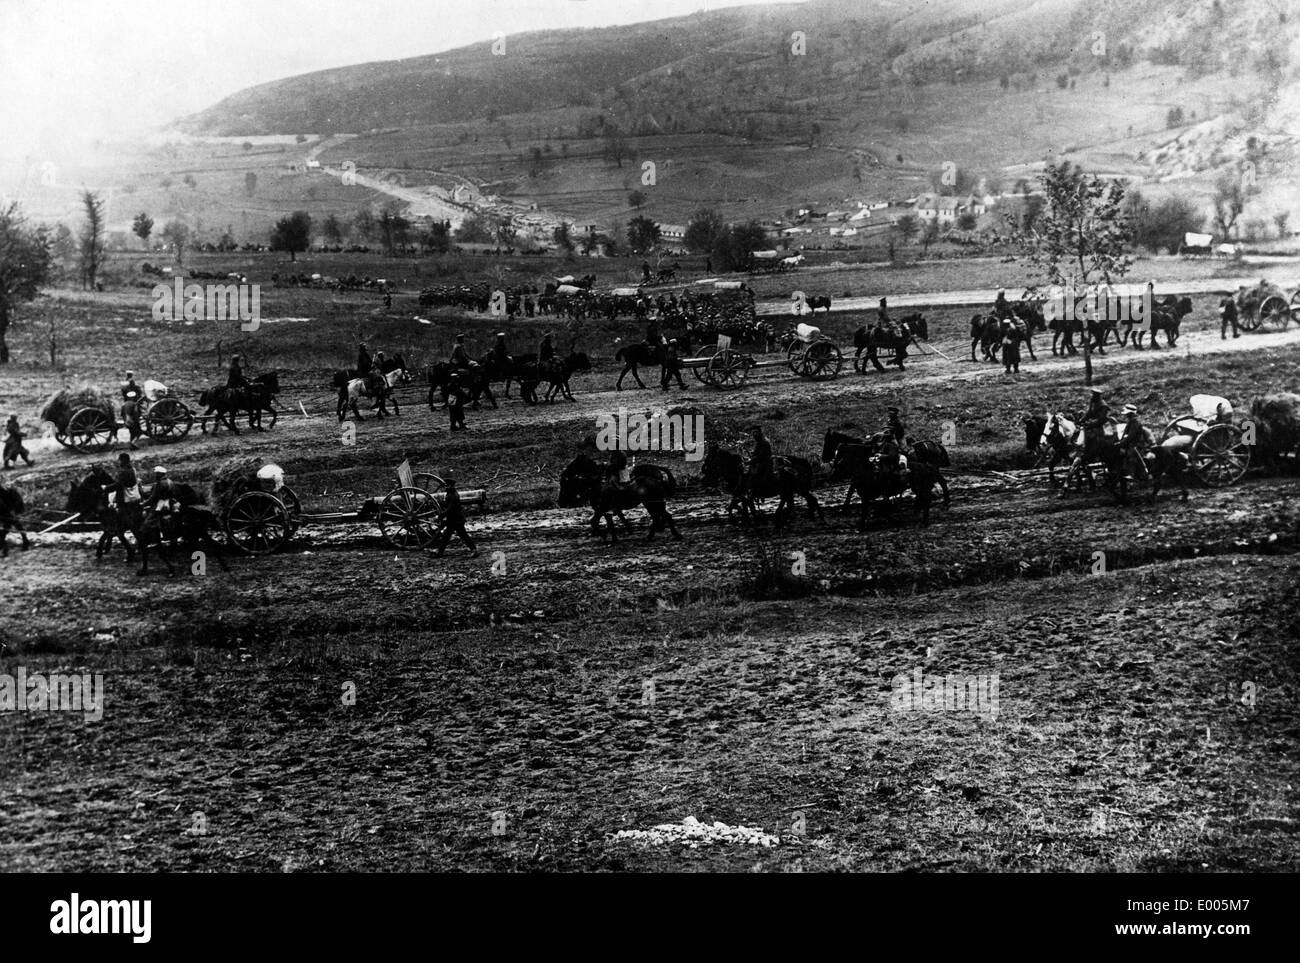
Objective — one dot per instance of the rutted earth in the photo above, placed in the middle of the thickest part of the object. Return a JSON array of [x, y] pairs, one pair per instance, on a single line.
[[520, 720]]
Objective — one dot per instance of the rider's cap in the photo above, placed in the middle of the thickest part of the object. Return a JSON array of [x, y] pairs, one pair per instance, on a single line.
[[159, 470], [460, 337], [130, 374], [1130, 409], [1096, 393], [123, 456], [1002, 290], [501, 334], [892, 408]]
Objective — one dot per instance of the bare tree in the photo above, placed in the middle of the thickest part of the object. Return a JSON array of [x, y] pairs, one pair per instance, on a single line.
[[92, 238], [1229, 201]]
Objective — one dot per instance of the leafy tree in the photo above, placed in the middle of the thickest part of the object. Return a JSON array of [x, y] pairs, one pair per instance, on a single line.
[[394, 230], [475, 230], [1229, 201], [929, 234], [703, 230], [437, 237], [1280, 219], [642, 234], [635, 199], [25, 263], [1082, 235], [142, 227], [966, 221], [292, 234], [177, 234], [1163, 225], [563, 238], [332, 229], [907, 226], [616, 149], [363, 224], [1174, 118], [734, 249]]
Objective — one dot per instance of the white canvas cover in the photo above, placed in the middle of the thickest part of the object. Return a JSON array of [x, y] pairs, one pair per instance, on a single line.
[[728, 285], [806, 332], [1207, 407], [568, 289], [153, 390], [766, 255], [1191, 239], [625, 292]]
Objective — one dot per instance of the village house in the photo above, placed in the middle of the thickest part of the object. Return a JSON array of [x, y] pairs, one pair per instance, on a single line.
[[946, 209]]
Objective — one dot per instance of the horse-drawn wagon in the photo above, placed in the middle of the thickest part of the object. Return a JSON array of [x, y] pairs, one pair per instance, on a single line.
[[260, 513], [85, 420], [1267, 304], [809, 355], [1217, 449]]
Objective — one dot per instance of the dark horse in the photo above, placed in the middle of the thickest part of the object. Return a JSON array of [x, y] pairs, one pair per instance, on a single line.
[[790, 476], [475, 380], [843, 451], [555, 373], [638, 355], [11, 508], [227, 403], [1167, 316], [586, 482], [191, 524]]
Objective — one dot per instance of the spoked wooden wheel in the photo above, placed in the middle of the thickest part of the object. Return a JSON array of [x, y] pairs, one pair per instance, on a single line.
[[822, 361], [728, 369], [1219, 456], [258, 523], [701, 371], [1275, 310], [429, 482], [168, 420], [292, 505], [1250, 317], [90, 429], [410, 518]]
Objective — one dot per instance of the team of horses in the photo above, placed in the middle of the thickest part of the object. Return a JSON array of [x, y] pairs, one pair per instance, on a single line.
[[188, 524]]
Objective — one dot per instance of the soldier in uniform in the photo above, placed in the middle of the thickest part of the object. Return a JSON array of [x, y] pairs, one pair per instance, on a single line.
[[1136, 442], [126, 486], [894, 426], [652, 335], [1228, 316], [363, 360], [132, 397], [453, 520], [456, 398], [500, 354], [235, 375], [545, 350], [617, 469], [14, 447], [459, 356], [672, 367], [1001, 307]]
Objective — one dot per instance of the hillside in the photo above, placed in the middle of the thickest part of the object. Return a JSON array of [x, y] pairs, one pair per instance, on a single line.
[[734, 70]]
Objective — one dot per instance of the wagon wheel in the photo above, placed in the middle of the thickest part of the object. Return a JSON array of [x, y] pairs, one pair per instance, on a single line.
[[168, 420], [293, 505], [1250, 317], [1295, 306], [89, 429], [1219, 456], [1275, 310], [61, 438], [410, 518], [728, 369], [429, 482], [823, 361], [258, 523], [701, 371]]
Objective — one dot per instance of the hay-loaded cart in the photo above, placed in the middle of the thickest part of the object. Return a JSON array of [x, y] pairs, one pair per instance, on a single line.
[[810, 355], [1270, 305], [86, 421], [1217, 449], [259, 520]]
